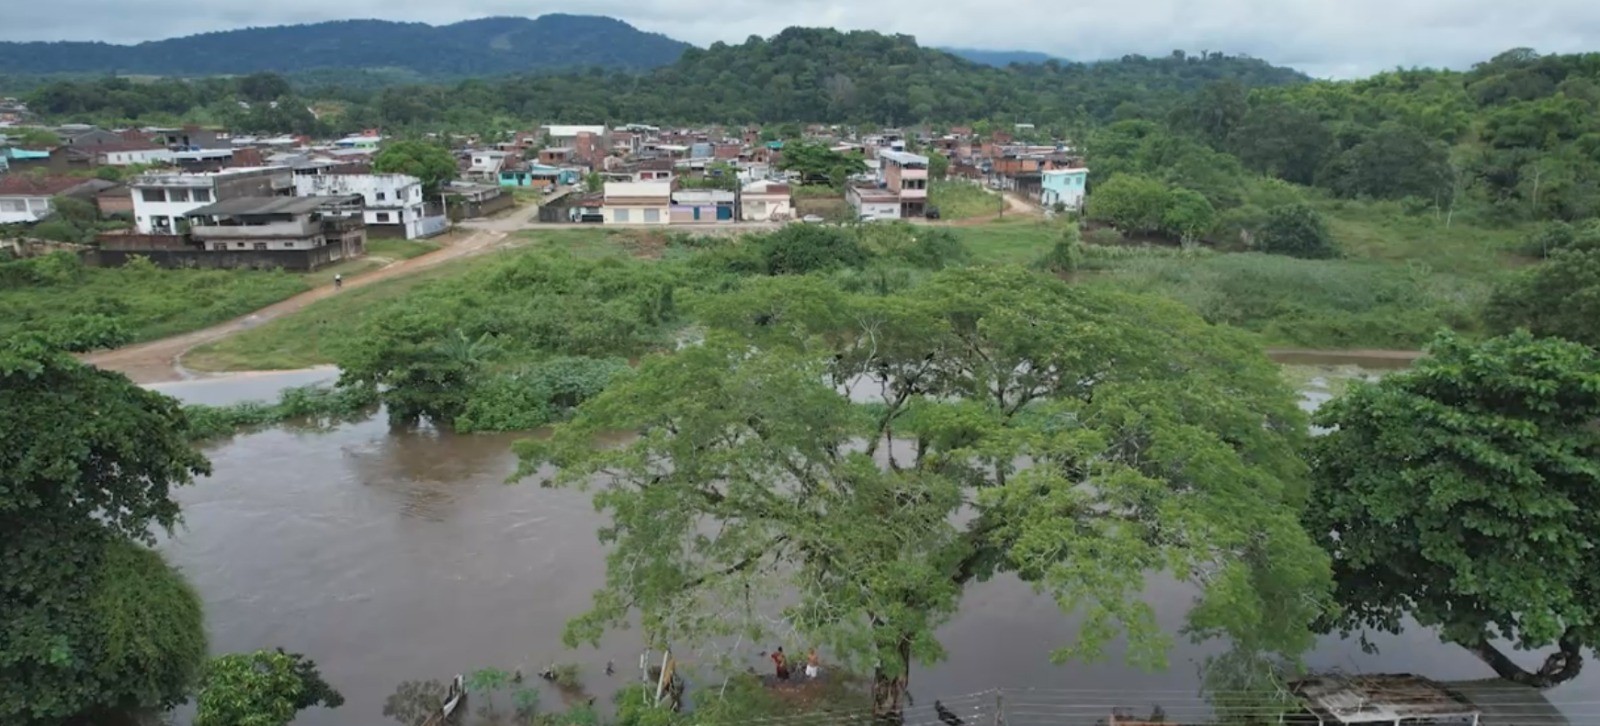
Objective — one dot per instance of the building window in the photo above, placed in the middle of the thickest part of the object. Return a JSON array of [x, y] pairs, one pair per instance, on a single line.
[[239, 245], [202, 195], [652, 216], [261, 245], [383, 216], [152, 195], [177, 195], [381, 196], [621, 215], [13, 205]]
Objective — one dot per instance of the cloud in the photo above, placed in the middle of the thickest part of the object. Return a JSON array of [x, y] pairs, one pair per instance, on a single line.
[[1328, 38]]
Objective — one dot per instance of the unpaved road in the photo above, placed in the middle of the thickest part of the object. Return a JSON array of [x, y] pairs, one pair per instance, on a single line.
[[160, 361]]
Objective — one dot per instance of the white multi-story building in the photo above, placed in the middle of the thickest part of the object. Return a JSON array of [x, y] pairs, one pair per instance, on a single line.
[[394, 203], [162, 200]]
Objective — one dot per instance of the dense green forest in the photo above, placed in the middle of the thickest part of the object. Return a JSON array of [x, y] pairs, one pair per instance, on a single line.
[[483, 46], [801, 74]]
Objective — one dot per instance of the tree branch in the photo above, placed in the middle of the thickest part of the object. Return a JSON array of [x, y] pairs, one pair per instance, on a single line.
[[1560, 667]]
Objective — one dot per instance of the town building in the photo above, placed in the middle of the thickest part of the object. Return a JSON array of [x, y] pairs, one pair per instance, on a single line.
[[323, 230], [691, 206], [1065, 187], [393, 205], [537, 176], [765, 201], [638, 202], [25, 198], [906, 174], [162, 200], [464, 200], [567, 135]]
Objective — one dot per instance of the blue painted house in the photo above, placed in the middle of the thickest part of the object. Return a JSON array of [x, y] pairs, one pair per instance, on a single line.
[[1063, 186], [537, 175]]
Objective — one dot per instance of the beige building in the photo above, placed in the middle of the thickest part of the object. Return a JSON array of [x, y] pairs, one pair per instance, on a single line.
[[638, 202], [765, 201]]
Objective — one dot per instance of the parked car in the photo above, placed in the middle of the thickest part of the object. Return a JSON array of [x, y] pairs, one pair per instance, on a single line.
[[931, 213], [811, 219]]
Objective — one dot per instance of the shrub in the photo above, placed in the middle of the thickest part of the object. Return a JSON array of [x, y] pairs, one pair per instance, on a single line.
[[1296, 230], [801, 248]]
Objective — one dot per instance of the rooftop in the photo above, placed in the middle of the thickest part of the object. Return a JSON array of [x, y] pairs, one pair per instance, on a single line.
[[272, 205], [1380, 698], [903, 158], [28, 185]]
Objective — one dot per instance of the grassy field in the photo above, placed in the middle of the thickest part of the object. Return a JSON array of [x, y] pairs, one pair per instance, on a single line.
[[1401, 279], [147, 301], [962, 200], [312, 336], [1013, 240]]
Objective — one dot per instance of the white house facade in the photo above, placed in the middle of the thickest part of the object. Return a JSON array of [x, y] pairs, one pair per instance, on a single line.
[[394, 202]]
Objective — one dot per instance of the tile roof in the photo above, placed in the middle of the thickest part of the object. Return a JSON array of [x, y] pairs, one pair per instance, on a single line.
[[28, 185]]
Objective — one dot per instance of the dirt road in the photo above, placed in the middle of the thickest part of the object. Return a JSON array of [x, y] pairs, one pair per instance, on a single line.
[[159, 361]]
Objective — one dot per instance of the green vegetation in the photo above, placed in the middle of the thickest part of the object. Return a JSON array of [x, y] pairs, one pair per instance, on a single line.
[[818, 164], [1559, 297], [264, 688], [1435, 487], [91, 620], [312, 406], [430, 162], [963, 200], [1184, 427], [798, 75]]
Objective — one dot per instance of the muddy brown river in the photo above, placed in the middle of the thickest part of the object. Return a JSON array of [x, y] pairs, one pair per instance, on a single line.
[[392, 557]]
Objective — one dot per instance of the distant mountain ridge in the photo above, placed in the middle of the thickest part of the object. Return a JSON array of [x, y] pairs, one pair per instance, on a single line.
[[486, 46]]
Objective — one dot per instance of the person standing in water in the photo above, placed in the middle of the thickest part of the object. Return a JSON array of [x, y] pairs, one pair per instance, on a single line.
[[813, 664], [780, 664]]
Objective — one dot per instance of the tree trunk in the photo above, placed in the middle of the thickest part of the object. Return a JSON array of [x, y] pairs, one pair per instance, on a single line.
[[889, 686], [1560, 667]]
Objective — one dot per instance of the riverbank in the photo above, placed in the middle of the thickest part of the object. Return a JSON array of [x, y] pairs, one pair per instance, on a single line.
[[163, 359], [1403, 279], [396, 558]]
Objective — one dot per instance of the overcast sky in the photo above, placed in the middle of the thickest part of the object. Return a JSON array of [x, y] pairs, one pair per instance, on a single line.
[[1328, 38]]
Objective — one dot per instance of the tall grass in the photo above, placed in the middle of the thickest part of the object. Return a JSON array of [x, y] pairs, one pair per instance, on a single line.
[[1308, 303], [146, 301]]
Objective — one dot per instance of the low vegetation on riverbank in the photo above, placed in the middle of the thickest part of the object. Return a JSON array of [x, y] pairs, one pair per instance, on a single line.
[[145, 301]]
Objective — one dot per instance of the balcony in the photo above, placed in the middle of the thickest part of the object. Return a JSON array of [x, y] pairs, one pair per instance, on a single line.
[[295, 229], [913, 173], [913, 194]]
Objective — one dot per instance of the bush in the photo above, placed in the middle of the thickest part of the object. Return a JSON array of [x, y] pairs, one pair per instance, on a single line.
[[1296, 230], [527, 399], [1104, 237], [801, 248]]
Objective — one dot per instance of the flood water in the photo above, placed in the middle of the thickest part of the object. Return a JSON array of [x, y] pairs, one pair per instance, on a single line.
[[391, 557]]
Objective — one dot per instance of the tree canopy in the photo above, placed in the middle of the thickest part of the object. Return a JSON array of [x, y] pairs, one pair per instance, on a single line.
[[1093, 438], [264, 688], [427, 161], [90, 620], [1461, 493], [1558, 297]]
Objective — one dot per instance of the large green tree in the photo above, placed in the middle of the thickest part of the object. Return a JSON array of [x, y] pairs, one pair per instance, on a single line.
[[424, 160], [91, 621], [1296, 230], [1461, 493], [264, 688], [1558, 297], [1002, 421]]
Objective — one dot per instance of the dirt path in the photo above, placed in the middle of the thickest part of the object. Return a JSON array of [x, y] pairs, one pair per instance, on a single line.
[[159, 361]]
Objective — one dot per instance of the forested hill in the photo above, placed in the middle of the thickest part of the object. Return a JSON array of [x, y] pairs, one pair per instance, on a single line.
[[824, 75], [488, 46], [801, 74]]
